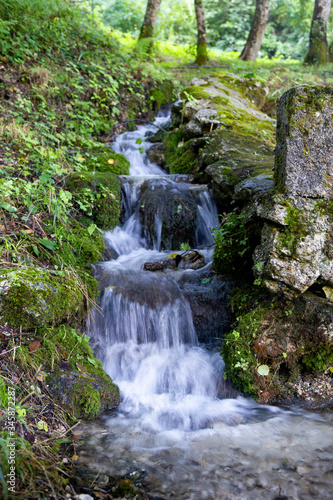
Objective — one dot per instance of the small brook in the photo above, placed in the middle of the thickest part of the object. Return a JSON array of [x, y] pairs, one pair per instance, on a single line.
[[177, 423]]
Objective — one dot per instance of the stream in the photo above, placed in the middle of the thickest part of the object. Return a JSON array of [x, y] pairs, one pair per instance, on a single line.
[[178, 429]]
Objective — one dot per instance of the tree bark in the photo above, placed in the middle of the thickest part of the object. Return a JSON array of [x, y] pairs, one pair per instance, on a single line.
[[202, 54], [256, 35], [318, 48], [150, 20]]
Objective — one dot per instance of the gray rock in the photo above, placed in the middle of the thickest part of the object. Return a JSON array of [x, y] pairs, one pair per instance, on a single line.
[[188, 260], [246, 189], [198, 82], [296, 241], [203, 121], [304, 153]]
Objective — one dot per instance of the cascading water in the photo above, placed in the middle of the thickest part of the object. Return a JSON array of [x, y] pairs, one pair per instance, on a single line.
[[174, 421]]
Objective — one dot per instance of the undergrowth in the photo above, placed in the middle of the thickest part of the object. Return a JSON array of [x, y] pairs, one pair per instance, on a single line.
[[65, 88]]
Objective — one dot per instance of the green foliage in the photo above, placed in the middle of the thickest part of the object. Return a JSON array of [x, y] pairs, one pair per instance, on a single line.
[[296, 228], [176, 20], [98, 196], [318, 358], [238, 353], [31, 26], [232, 251]]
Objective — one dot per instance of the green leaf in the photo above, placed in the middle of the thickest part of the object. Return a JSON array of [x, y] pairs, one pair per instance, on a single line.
[[51, 245], [91, 229], [263, 370], [138, 141], [9, 208], [92, 361], [42, 426], [21, 412]]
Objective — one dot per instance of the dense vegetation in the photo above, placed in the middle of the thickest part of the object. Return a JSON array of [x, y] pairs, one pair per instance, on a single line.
[[64, 87]]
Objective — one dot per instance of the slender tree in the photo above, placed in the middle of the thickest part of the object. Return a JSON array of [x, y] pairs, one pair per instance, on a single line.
[[202, 54], [256, 35], [318, 47], [149, 22]]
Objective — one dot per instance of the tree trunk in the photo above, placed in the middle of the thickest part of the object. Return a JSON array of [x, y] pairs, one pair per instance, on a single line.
[[318, 47], [202, 54], [149, 23], [256, 36]]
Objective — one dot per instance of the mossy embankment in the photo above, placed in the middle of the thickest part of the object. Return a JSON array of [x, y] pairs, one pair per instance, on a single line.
[[220, 134], [65, 89]]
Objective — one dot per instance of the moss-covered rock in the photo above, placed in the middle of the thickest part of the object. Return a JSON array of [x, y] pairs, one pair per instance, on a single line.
[[288, 338], [74, 376], [223, 136], [34, 297], [228, 96], [164, 94], [108, 161], [98, 194]]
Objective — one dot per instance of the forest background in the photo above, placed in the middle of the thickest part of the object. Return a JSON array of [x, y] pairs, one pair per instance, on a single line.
[[227, 23]]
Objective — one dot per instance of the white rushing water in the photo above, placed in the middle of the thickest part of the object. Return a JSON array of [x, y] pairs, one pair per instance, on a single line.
[[174, 421]]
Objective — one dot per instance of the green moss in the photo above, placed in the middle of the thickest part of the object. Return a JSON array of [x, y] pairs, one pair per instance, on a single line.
[[319, 358], [296, 227], [195, 92], [249, 87], [88, 399], [179, 160], [98, 194], [164, 94], [238, 353], [170, 143], [33, 297], [107, 161], [182, 162], [75, 377]]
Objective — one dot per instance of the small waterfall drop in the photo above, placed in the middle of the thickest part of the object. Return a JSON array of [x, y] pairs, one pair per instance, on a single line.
[[175, 422]]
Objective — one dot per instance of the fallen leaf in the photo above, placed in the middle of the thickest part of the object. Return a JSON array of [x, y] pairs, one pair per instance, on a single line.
[[111, 161], [33, 346], [75, 458], [40, 377]]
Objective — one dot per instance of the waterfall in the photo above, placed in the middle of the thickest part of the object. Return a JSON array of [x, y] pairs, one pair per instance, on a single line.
[[177, 428]]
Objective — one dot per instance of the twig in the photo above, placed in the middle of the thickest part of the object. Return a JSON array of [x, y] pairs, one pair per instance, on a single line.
[[13, 349]]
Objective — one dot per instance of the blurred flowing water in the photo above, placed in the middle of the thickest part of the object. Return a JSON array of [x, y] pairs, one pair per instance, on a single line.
[[176, 423]]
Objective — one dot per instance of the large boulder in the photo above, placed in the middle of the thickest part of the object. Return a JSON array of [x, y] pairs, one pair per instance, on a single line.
[[223, 136], [295, 251], [168, 212]]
